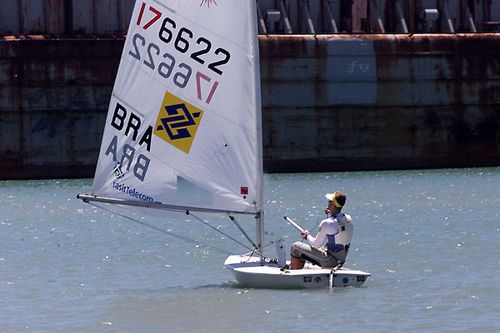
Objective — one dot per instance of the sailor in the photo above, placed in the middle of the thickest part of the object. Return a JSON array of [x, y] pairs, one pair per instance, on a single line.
[[329, 248]]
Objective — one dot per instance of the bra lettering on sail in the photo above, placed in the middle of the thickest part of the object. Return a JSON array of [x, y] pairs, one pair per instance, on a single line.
[[178, 122]]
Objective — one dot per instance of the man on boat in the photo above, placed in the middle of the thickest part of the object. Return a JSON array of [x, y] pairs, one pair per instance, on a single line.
[[329, 248]]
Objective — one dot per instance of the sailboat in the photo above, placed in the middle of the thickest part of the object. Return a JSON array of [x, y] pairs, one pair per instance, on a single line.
[[183, 129]]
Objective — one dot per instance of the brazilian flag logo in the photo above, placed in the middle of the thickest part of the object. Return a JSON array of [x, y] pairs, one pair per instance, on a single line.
[[178, 122]]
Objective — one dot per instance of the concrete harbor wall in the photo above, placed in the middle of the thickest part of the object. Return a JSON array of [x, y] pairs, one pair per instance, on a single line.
[[346, 102], [54, 95], [331, 102]]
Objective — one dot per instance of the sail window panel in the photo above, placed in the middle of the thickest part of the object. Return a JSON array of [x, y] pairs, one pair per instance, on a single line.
[[191, 194]]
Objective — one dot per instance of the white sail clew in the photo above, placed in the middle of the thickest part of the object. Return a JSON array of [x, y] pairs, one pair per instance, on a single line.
[[183, 128]]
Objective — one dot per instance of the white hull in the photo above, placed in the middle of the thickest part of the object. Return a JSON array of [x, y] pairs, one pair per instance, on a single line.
[[250, 272]]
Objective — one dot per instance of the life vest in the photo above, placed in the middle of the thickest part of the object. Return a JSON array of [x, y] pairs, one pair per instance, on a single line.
[[342, 240]]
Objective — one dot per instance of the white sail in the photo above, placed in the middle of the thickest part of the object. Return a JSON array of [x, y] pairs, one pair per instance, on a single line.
[[184, 122]]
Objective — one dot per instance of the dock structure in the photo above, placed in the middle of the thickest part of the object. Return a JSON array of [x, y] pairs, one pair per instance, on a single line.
[[378, 16], [108, 17], [346, 84]]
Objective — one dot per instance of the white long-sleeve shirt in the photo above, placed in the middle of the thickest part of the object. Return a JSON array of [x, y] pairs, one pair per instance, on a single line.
[[328, 227]]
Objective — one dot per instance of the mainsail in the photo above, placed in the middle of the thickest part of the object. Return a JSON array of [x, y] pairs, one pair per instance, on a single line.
[[184, 122]]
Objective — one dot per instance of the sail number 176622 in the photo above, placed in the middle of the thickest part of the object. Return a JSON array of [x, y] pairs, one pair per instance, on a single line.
[[166, 65], [184, 39]]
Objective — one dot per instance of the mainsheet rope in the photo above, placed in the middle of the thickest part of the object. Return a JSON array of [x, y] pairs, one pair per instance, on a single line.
[[214, 228], [184, 238]]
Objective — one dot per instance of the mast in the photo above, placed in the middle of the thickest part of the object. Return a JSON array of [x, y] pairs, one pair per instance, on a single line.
[[253, 28], [260, 233]]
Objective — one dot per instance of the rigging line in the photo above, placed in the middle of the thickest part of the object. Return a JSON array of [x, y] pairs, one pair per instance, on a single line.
[[251, 253], [184, 238], [318, 220], [219, 231], [232, 218]]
